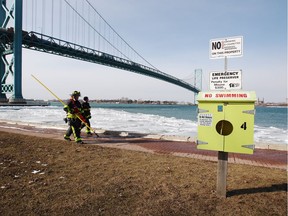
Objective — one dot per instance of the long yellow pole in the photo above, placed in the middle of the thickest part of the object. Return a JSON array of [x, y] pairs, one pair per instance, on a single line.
[[63, 103], [48, 89]]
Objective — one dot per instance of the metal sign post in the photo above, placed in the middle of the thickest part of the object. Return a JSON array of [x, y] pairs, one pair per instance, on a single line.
[[222, 167], [224, 48], [222, 173]]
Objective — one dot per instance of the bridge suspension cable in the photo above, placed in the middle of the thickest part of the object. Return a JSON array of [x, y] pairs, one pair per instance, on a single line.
[[95, 29], [76, 22], [120, 36]]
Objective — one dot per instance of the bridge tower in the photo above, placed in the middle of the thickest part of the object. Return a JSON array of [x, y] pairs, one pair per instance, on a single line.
[[14, 67], [197, 81]]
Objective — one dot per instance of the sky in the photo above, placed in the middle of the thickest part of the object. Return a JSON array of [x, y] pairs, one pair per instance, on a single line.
[[174, 36]]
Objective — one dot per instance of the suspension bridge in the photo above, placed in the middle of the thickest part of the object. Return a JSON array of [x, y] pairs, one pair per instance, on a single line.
[[65, 28]]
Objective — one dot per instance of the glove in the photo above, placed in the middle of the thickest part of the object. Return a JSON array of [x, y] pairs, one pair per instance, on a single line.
[[65, 109]]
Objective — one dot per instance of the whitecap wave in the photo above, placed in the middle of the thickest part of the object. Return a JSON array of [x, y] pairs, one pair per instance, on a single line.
[[118, 120]]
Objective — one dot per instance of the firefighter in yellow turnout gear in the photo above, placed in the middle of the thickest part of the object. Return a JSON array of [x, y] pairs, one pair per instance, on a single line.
[[74, 111]]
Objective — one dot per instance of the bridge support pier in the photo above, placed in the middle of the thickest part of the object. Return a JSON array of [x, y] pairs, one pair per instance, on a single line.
[[17, 48], [2, 65], [13, 68], [3, 97]]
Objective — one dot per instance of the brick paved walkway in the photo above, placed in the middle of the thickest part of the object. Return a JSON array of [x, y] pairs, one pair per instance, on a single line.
[[261, 157]]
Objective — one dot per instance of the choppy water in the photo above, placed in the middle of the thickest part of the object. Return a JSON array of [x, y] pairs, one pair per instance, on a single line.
[[270, 122]]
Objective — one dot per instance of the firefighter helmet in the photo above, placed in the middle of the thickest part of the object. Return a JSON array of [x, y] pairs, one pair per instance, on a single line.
[[76, 93]]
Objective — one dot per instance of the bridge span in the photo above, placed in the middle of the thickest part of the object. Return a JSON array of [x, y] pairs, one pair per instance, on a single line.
[[51, 45], [76, 19]]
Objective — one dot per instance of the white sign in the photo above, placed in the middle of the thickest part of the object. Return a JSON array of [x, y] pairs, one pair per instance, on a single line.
[[226, 47], [229, 80], [205, 119]]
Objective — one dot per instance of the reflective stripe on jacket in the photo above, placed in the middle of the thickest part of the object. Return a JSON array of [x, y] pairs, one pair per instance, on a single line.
[[73, 108]]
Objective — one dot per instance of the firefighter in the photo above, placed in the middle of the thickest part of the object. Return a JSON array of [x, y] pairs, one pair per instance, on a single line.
[[87, 114], [73, 109]]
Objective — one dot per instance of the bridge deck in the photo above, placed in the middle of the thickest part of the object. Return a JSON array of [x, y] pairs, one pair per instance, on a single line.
[[47, 44]]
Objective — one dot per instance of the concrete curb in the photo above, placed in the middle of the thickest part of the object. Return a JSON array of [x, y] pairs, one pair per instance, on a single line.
[[280, 147]]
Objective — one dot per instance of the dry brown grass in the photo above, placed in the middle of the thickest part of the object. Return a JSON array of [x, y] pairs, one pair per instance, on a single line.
[[92, 180]]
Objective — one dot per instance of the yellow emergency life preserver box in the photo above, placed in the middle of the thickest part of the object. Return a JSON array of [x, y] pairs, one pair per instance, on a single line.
[[226, 121]]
